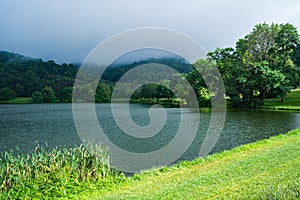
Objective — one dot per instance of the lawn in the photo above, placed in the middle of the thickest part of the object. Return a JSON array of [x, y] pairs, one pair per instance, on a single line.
[[18, 100], [268, 169], [291, 102]]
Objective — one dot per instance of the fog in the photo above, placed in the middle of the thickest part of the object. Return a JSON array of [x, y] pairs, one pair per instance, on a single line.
[[66, 31]]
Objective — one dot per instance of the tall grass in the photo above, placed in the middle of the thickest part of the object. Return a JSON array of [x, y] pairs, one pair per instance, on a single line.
[[54, 173]]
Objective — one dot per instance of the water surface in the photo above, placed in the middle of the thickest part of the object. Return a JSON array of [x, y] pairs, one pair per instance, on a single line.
[[24, 125]]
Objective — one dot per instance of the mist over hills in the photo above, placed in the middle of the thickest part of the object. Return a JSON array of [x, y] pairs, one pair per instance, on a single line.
[[24, 75]]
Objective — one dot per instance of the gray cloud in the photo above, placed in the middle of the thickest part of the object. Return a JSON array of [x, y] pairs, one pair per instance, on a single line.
[[67, 30]]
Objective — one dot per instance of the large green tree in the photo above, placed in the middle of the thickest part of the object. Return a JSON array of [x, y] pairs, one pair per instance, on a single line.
[[261, 65], [103, 92], [203, 68]]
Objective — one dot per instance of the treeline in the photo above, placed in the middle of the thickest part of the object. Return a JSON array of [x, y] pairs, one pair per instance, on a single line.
[[263, 64], [48, 81], [114, 73], [22, 76]]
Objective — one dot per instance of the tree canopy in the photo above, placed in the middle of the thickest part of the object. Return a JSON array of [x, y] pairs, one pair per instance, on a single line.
[[263, 64], [48, 81], [24, 76]]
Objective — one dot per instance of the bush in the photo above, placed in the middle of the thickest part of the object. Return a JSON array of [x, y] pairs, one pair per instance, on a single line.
[[7, 94], [37, 97]]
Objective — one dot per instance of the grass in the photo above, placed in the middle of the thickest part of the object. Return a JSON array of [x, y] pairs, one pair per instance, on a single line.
[[18, 100], [56, 173], [291, 102], [268, 169]]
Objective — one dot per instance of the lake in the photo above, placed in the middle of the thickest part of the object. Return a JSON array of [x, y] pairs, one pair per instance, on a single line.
[[25, 124]]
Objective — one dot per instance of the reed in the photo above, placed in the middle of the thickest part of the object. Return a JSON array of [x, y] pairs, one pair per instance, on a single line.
[[54, 173]]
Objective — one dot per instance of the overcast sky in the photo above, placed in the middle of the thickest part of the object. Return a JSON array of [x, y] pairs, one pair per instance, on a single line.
[[67, 30]]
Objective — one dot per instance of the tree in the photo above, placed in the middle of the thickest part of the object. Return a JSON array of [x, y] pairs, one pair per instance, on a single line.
[[287, 41], [207, 88], [30, 82], [103, 92], [149, 90], [163, 89], [261, 64], [27, 75], [266, 79], [37, 97], [260, 42], [6, 94], [287, 45], [296, 56], [66, 94], [195, 79], [48, 95]]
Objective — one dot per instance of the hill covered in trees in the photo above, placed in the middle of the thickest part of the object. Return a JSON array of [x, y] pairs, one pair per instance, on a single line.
[[21, 76], [47, 81]]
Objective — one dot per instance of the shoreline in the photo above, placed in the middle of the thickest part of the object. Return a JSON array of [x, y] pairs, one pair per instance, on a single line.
[[167, 105], [268, 167], [255, 170]]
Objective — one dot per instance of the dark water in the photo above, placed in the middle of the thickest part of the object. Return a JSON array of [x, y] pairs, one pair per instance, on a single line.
[[23, 125]]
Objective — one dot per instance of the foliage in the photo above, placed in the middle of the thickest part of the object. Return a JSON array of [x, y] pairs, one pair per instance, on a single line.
[[37, 97], [203, 68], [34, 78], [27, 75], [152, 90], [46, 95], [261, 66], [65, 94], [114, 73], [6, 94], [103, 92]]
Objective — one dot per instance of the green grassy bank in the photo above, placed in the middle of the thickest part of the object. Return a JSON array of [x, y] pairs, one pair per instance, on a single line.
[[291, 102], [18, 100], [268, 169]]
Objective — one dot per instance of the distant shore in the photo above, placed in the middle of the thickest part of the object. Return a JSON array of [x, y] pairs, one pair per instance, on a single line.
[[291, 102]]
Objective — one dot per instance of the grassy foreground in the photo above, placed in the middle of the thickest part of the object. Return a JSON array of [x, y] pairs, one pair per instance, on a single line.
[[55, 173], [291, 102], [268, 169]]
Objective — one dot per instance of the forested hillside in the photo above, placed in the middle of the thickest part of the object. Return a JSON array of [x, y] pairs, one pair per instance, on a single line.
[[21, 76], [47, 81]]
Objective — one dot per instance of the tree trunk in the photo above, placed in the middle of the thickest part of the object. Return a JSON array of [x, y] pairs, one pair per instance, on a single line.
[[261, 94]]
